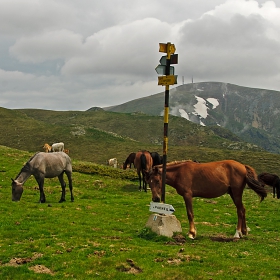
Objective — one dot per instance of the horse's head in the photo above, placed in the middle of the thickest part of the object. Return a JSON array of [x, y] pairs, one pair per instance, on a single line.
[[17, 190], [153, 178]]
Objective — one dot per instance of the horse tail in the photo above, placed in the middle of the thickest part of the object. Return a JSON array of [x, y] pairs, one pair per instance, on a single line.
[[143, 161], [253, 183]]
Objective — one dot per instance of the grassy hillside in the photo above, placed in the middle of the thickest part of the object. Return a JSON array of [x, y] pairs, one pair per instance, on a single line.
[[96, 136], [102, 234]]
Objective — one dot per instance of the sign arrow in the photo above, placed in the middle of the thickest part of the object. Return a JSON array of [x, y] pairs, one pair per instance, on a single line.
[[161, 208], [161, 70]]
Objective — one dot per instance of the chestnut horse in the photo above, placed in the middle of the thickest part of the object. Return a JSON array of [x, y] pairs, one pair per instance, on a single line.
[[208, 180], [270, 180], [129, 160], [143, 162]]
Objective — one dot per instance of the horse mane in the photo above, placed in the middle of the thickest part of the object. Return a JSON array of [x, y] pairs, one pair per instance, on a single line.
[[180, 162], [26, 167]]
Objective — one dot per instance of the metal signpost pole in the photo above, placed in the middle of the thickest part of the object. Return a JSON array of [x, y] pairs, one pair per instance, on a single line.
[[169, 79], [165, 125]]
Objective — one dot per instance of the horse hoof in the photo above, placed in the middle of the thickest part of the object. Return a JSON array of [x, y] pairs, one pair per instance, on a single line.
[[238, 234], [191, 236]]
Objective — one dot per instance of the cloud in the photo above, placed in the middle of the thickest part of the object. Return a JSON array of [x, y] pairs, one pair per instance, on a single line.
[[97, 53], [58, 44], [120, 50]]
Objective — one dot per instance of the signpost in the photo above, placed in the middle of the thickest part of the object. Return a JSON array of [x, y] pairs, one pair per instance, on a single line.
[[165, 223], [168, 79]]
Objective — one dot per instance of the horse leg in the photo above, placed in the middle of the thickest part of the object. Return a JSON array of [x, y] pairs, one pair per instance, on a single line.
[[144, 181], [40, 182], [63, 185], [139, 176], [69, 176], [240, 209], [189, 208]]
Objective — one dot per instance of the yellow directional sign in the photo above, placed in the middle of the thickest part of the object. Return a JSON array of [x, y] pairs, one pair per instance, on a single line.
[[162, 47], [167, 80], [167, 48]]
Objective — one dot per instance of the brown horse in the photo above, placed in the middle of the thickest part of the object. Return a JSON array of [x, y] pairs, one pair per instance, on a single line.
[[270, 180], [129, 160], [47, 148], [143, 162], [208, 180]]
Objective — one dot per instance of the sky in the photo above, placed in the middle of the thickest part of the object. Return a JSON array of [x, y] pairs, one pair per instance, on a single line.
[[73, 55]]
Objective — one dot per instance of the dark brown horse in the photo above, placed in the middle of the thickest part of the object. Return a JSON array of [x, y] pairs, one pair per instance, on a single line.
[[143, 162], [129, 160], [270, 180], [157, 160], [208, 180]]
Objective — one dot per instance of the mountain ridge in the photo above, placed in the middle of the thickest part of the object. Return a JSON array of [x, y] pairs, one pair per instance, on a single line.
[[250, 113]]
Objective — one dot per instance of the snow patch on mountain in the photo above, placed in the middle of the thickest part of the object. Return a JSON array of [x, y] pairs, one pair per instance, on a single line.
[[200, 109]]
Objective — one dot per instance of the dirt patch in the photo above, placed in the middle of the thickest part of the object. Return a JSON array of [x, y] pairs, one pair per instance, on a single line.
[[21, 261], [129, 267], [36, 268], [41, 269], [179, 239]]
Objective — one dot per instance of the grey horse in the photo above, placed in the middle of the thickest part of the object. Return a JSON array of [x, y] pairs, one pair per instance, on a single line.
[[44, 165]]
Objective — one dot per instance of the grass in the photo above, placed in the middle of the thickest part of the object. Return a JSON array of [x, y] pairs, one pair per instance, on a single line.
[[102, 234]]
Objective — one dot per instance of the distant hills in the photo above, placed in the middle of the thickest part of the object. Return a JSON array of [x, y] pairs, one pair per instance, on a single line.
[[251, 114], [96, 135]]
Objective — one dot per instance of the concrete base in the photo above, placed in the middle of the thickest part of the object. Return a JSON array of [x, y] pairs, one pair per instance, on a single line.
[[164, 225]]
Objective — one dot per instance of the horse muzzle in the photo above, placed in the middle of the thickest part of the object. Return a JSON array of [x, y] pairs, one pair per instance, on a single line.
[[17, 193], [156, 199]]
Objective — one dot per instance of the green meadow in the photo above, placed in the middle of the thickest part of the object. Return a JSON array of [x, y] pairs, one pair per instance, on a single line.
[[103, 234]]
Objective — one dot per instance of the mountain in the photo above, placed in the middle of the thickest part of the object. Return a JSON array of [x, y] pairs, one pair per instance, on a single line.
[[252, 114]]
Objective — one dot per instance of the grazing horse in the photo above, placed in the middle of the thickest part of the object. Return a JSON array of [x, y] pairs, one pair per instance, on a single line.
[[270, 180], [129, 160], [47, 148], [143, 162], [58, 147], [157, 160], [113, 162], [208, 180], [44, 165]]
